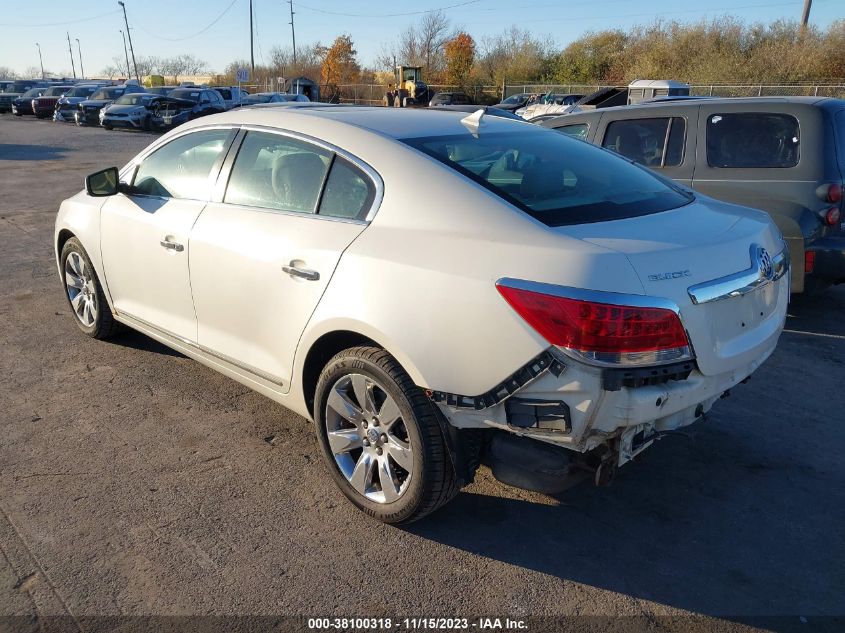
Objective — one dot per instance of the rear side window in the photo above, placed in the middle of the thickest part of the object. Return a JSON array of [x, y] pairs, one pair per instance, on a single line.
[[277, 172], [655, 142], [752, 140], [555, 179], [578, 130], [348, 193]]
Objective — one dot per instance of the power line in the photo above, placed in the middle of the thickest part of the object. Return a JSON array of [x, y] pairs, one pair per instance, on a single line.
[[62, 23], [198, 33], [385, 15]]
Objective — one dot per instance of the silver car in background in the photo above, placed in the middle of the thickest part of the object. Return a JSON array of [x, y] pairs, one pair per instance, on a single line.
[[128, 111]]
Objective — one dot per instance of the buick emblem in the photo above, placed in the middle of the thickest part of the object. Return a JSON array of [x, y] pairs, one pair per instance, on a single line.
[[767, 269]]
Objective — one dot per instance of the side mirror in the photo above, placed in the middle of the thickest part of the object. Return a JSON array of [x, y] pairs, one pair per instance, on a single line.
[[103, 183]]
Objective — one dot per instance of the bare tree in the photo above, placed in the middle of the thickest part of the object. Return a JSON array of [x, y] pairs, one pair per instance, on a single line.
[[8, 73], [433, 32]]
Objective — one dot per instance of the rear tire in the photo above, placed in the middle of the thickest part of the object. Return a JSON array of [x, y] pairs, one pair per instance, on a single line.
[[108, 127], [387, 454], [84, 293]]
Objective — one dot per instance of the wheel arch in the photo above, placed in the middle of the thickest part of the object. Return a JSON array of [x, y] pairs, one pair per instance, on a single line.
[[320, 352], [335, 337], [61, 239]]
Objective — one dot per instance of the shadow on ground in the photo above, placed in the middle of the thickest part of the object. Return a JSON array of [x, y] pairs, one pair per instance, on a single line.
[[733, 518], [13, 151], [142, 342]]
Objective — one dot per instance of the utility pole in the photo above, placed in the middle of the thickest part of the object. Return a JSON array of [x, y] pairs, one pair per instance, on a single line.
[[251, 48], [129, 33], [805, 14], [81, 67], [70, 50], [41, 59], [126, 52], [292, 31]]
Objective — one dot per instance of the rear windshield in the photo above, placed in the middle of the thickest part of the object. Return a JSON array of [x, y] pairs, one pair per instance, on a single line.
[[82, 91], [554, 178], [108, 93], [191, 95], [135, 98], [839, 131]]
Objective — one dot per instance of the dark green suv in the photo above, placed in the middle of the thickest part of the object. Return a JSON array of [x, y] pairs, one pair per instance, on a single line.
[[785, 155]]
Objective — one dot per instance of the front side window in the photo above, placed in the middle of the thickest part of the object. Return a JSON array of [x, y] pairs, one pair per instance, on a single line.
[[181, 168], [277, 172], [553, 178], [752, 139], [578, 130], [657, 142]]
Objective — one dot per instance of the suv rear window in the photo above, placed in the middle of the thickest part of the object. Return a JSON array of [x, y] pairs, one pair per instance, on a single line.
[[657, 142], [752, 140], [554, 178]]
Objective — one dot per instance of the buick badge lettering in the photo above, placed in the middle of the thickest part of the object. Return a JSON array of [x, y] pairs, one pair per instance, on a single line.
[[677, 274]]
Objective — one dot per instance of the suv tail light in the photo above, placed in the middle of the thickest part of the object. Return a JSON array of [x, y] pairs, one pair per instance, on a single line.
[[830, 193], [602, 333], [809, 261], [831, 216]]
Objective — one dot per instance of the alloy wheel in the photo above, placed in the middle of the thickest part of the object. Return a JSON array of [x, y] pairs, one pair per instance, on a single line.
[[81, 289], [368, 438]]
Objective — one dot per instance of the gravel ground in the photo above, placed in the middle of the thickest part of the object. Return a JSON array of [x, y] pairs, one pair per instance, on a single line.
[[134, 481]]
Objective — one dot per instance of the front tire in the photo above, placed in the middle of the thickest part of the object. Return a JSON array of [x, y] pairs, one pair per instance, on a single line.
[[381, 437], [84, 293]]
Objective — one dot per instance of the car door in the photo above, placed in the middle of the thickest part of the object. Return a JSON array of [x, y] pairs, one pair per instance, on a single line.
[[262, 255], [145, 232], [656, 138]]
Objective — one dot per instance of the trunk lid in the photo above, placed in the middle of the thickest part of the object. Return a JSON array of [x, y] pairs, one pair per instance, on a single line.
[[698, 243]]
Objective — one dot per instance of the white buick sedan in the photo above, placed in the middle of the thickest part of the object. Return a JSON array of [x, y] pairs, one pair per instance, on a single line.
[[434, 290]]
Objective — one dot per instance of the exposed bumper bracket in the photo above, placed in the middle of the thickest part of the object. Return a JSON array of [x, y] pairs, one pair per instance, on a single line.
[[544, 362]]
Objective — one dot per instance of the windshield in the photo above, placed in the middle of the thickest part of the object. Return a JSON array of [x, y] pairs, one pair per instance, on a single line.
[[81, 91], [108, 93], [56, 91], [191, 95], [515, 99], [138, 98], [554, 178], [18, 87], [34, 92]]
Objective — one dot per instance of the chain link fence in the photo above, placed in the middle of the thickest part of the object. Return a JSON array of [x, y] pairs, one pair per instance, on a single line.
[[714, 90], [373, 94]]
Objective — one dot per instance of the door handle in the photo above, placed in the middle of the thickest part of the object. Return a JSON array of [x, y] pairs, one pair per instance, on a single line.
[[173, 246], [303, 273]]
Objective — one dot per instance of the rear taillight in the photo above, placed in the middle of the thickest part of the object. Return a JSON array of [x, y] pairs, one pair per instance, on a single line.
[[809, 261], [602, 332], [831, 216], [830, 192]]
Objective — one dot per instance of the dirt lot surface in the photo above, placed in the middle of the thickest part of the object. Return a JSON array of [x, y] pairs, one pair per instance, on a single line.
[[134, 481]]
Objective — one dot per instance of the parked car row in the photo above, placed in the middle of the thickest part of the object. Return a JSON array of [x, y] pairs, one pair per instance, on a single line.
[[130, 105]]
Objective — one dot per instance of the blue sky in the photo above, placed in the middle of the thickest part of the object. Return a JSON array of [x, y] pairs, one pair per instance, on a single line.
[[170, 27]]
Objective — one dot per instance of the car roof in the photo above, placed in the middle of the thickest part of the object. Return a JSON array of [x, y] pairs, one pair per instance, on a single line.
[[396, 123], [694, 101]]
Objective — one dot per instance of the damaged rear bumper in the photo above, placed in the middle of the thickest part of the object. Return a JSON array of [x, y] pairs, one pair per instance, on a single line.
[[581, 407]]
